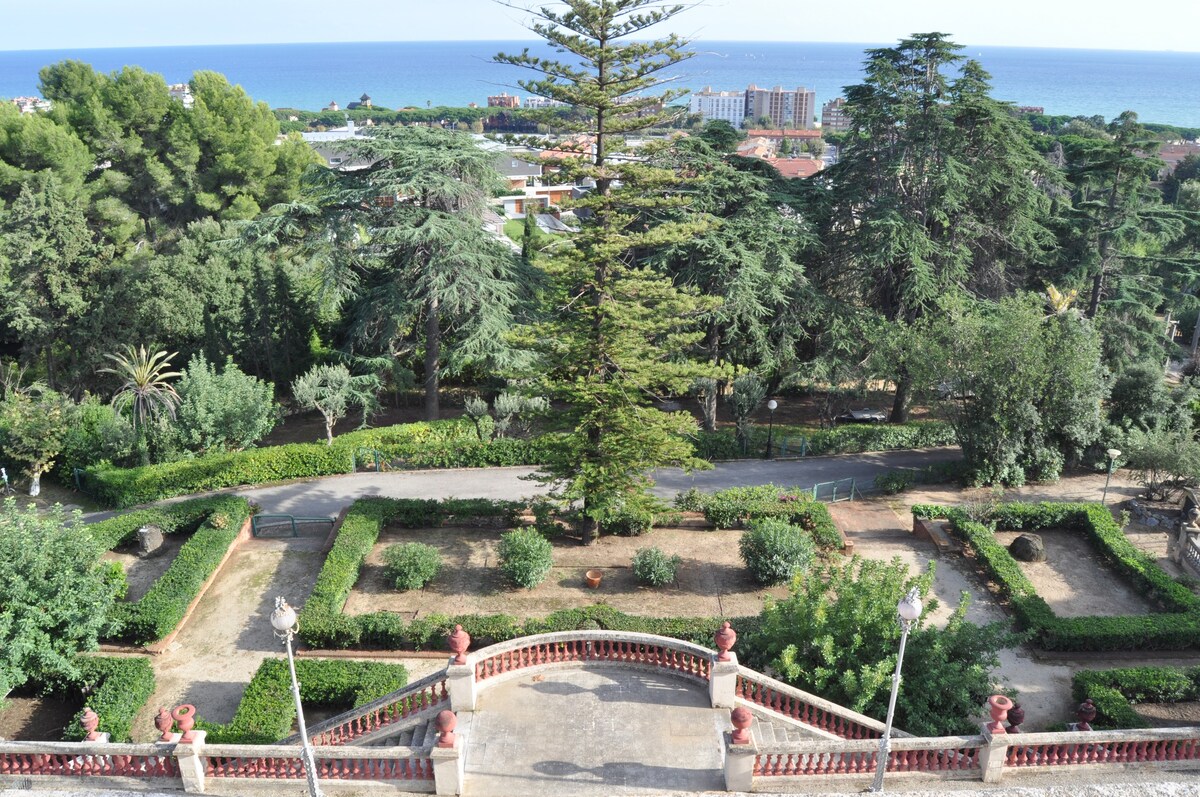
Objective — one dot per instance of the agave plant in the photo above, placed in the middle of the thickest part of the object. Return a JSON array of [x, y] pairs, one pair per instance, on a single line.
[[146, 389]]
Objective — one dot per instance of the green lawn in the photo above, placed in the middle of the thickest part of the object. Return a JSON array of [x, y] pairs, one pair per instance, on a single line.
[[515, 229]]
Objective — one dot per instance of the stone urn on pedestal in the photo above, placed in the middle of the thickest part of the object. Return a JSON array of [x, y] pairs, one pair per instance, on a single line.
[[998, 708]]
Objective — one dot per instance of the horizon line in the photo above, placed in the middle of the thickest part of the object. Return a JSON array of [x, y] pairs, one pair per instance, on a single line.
[[696, 42]]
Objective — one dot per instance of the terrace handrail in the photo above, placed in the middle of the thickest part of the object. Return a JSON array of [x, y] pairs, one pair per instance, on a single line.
[[797, 705], [412, 699], [614, 647]]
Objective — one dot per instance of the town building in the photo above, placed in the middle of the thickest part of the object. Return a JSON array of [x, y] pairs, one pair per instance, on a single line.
[[543, 102], [834, 118], [728, 106], [181, 92], [784, 107], [1038, 109], [519, 172], [504, 100], [31, 104], [796, 168], [776, 137], [363, 102], [332, 106]]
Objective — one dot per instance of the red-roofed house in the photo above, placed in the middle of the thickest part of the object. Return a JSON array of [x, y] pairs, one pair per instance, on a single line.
[[796, 168]]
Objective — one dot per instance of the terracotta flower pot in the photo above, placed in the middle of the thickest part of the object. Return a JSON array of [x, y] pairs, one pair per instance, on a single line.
[[593, 578]]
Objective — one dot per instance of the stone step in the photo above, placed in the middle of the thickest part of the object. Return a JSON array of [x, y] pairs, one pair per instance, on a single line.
[[771, 728]]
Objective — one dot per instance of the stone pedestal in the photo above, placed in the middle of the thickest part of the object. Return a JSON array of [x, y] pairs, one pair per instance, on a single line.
[[190, 757], [722, 685], [460, 683], [739, 765], [992, 755], [447, 768]]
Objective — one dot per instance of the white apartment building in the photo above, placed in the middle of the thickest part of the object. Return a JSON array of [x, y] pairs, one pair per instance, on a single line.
[[727, 105], [794, 109], [542, 102]]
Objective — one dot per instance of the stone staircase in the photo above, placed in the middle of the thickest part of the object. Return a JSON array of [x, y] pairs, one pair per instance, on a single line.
[[418, 732], [770, 728]]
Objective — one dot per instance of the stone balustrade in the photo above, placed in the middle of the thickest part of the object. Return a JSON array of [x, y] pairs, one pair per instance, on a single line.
[[796, 704], [349, 726], [175, 765], [987, 757]]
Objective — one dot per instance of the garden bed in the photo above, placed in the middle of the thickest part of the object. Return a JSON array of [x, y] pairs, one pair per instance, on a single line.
[[140, 574], [711, 580], [1075, 580], [29, 717]]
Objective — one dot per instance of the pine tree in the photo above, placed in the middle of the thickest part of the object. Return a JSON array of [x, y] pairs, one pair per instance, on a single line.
[[616, 330]]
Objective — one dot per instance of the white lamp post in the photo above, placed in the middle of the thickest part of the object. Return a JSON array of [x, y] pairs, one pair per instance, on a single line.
[[772, 405], [1113, 454], [908, 612], [283, 620]]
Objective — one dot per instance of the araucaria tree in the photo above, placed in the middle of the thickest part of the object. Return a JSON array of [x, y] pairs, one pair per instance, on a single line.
[[615, 329]]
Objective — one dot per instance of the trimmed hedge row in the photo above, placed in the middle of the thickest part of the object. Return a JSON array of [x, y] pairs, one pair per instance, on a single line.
[[1177, 628], [267, 710], [736, 506], [1114, 690], [161, 609], [846, 439], [440, 444], [323, 624], [115, 688]]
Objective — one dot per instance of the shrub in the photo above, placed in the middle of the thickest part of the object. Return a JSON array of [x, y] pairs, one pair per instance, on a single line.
[[848, 439], [896, 481], [1114, 690], [652, 566], [116, 689], [97, 433], [525, 557], [630, 520], [229, 410], [411, 565], [774, 550], [690, 500]]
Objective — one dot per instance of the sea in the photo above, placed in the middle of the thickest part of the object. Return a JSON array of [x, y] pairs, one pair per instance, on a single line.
[[1161, 87]]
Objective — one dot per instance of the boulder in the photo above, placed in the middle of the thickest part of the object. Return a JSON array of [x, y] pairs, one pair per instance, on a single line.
[[150, 541], [1028, 548]]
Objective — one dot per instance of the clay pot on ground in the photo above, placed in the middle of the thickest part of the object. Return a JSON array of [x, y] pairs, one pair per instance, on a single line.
[[593, 578]]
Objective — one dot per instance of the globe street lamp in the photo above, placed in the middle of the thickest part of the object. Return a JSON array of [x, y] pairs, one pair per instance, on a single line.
[[908, 612], [772, 405], [1113, 454], [283, 620]]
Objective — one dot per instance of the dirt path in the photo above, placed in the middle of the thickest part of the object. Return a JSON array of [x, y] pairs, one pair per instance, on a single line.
[[229, 635]]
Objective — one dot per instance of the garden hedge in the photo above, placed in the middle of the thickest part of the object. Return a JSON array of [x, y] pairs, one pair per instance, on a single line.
[[216, 521], [846, 439], [115, 688], [440, 444], [1177, 627], [267, 710], [736, 506], [324, 625], [1114, 690]]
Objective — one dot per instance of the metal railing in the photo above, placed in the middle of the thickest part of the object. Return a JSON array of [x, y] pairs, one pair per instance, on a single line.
[[261, 525]]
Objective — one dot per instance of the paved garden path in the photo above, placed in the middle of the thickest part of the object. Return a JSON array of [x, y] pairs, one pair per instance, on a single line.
[[329, 495]]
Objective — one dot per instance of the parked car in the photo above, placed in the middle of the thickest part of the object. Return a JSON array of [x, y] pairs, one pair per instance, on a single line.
[[862, 416]]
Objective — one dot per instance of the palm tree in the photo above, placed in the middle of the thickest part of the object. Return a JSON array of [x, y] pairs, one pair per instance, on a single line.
[[146, 389]]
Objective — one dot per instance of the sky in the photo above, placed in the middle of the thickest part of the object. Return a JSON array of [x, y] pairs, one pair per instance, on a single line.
[[1099, 24]]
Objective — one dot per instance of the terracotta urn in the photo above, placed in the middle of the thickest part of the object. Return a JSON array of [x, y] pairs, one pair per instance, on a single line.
[[998, 707], [458, 641], [164, 722], [1016, 716], [185, 715], [725, 637], [741, 719], [1086, 714], [593, 578], [89, 721], [446, 723]]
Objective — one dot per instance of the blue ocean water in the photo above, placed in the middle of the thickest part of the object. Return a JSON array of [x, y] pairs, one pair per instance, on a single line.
[[1159, 86]]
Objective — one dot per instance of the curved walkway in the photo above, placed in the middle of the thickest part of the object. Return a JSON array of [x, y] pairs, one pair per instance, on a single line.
[[329, 495]]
